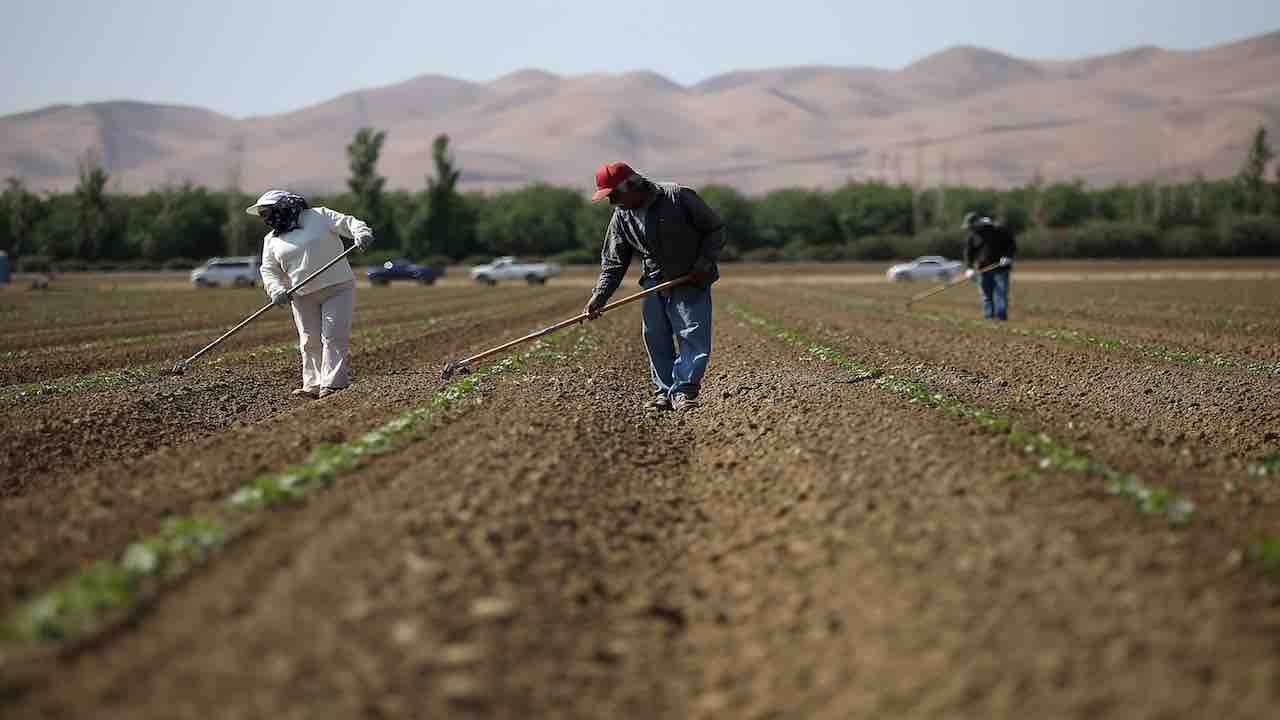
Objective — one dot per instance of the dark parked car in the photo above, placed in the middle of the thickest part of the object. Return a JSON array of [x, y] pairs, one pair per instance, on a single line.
[[402, 270]]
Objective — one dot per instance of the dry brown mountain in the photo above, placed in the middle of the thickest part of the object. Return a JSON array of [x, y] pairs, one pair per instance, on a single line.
[[965, 115]]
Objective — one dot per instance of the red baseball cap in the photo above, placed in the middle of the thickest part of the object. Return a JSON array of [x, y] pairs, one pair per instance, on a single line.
[[608, 177]]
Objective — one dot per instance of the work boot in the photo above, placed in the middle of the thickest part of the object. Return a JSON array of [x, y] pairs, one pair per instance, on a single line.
[[659, 402], [684, 401], [307, 393], [327, 391]]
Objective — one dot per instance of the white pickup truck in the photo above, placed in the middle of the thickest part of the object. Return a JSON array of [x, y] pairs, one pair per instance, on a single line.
[[508, 268]]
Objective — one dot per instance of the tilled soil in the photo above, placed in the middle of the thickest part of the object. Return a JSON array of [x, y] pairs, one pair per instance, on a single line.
[[1235, 319], [1195, 429], [65, 433], [807, 543], [119, 459], [53, 363]]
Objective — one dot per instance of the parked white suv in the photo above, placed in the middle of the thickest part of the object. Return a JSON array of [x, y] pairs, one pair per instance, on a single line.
[[228, 272], [508, 268]]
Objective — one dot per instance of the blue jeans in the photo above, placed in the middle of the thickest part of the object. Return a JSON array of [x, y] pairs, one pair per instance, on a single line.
[[683, 312], [995, 293]]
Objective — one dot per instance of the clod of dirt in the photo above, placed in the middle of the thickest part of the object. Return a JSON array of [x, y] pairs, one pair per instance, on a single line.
[[406, 633], [668, 613], [462, 688], [611, 652], [459, 655], [492, 609]]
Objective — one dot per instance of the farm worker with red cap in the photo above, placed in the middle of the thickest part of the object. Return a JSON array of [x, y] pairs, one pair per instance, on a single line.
[[674, 233], [301, 241]]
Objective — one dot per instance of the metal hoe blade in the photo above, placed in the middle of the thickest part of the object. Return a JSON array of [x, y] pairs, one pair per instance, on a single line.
[[450, 368]]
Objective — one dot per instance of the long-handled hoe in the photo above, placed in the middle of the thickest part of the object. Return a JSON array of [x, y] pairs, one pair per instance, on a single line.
[[183, 365], [947, 286], [454, 366]]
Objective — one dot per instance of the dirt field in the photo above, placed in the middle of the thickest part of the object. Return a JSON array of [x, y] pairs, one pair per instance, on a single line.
[[881, 509]]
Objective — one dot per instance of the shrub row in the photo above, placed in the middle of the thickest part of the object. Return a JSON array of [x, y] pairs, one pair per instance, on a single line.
[[44, 264], [1245, 236], [1248, 236]]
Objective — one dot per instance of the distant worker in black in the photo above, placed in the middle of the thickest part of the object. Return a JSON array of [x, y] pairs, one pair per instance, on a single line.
[[989, 252]]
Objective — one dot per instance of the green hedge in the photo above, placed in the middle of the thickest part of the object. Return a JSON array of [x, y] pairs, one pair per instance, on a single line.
[[1249, 236], [34, 264], [576, 256]]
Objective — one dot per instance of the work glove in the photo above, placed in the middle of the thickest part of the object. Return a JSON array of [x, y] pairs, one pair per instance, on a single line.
[[1006, 261], [281, 298], [969, 273], [593, 307], [703, 271], [364, 242]]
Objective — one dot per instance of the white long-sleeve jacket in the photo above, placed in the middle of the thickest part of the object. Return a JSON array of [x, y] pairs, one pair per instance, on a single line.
[[288, 259]]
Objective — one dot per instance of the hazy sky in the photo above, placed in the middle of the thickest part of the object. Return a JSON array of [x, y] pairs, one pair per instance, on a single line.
[[253, 58]]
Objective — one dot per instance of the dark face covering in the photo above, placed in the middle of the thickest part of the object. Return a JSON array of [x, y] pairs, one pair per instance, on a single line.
[[631, 198], [283, 216]]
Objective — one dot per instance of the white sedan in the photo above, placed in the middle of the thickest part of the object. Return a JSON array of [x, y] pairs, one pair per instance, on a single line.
[[926, 267]]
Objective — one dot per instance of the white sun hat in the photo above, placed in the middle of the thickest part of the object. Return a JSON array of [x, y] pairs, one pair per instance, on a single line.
[[268, 198]]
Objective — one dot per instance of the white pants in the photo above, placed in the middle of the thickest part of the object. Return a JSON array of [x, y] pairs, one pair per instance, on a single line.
[[323, 318]]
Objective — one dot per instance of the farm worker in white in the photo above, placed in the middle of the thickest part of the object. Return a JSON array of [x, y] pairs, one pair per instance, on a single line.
[[301, 241]]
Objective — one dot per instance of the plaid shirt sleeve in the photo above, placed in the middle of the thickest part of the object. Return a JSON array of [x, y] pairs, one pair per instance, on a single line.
[[615, 258]]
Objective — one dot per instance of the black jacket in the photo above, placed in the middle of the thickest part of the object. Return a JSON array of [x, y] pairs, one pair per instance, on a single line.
[[987, 244], [680, 233]]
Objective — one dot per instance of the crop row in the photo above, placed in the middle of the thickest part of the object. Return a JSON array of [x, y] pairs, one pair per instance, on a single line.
[[110, 378], [111, 588], [1066, 335], [382, 314], [1160, 352], [1049, 454]]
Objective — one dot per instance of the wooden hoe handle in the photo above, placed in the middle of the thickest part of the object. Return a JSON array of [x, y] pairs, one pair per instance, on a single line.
[[456, 365]]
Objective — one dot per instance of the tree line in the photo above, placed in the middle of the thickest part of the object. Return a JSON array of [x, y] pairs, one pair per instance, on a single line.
[[175, 227]]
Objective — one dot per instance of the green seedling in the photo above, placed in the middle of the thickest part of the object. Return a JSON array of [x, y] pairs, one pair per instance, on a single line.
[[1050, 454], [1065, 335], [78, 604], [79, 384], [112, 378], [105, 586], [1268, 465], [1266, 552]]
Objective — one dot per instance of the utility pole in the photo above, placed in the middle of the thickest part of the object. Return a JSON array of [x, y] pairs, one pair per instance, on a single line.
[[917, 209], [235, 231], [942, 190]]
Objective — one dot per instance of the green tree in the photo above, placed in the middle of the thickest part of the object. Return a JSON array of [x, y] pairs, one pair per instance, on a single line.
[[591, 221], [1065, 204], [366, 185], [864, 209], [537, 220], [1252, 176], [441, 226], [735, 210], [92, 205], [961, 200], [1275, 192], [182, 222], [57, 232], [238, 228], [796, 215], [21, 209]]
